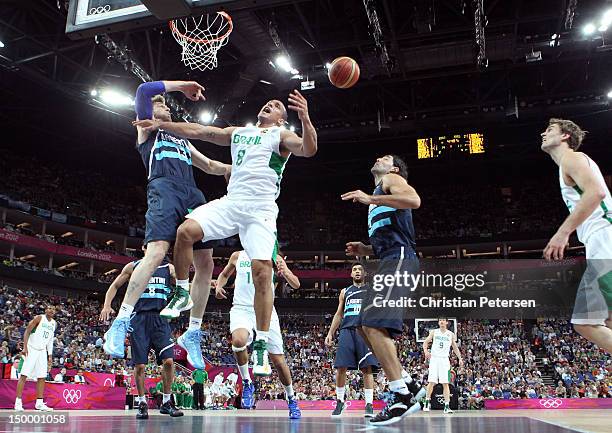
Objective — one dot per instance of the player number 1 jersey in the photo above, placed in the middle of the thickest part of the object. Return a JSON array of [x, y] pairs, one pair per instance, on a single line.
[[257, 164]]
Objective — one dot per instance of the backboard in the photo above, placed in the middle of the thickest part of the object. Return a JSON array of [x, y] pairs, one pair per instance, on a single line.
[[91, 17]]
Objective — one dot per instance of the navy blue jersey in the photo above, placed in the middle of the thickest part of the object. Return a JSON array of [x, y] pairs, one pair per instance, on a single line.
[[353, 296], [389, 229], [155, 296], [168, 156]]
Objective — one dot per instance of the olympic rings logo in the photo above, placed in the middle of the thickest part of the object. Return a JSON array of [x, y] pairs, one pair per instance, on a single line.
[[347, 403], [109, 382], [100, 10], [551, 404], [71, 396]]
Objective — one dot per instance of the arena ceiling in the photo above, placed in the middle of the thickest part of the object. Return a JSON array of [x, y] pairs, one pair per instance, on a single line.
[[428, 82]]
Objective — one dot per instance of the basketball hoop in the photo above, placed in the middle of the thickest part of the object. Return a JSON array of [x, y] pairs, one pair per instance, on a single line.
[[201, 37]]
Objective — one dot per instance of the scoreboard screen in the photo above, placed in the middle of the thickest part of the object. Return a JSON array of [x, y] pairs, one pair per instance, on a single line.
[[445, 145]]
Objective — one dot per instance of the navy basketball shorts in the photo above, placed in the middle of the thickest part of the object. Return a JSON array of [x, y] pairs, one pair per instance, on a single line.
[[150, 331], [168, 202], [352, 352], [375, 309]]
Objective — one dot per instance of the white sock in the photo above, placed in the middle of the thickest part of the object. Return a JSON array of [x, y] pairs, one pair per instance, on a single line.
[[39, 401], [183, 284], [125, 311], [141, 399], [340, 393], [244, 372], [369, 396], [195, 323], [398, 386], [166, 398], [289, 392], [263, 335], [407, 378], [17, 400]]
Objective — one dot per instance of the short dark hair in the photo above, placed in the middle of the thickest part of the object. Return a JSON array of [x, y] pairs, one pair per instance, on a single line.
[[576, 134], [401, 166], [357, 264]]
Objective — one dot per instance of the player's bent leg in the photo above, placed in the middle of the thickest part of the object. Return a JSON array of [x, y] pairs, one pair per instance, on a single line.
[[168, 407], [599, 334], [284, 374], [114, 338], [188, 233], [263, 303], [240, 341]]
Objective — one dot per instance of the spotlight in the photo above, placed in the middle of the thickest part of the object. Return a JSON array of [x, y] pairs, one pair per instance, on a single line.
[[589, 29], [114, 98], [1, 44], [292, 128], [607, 18], [603, 29], [93, 93], [610, 94], [206, 116], [327, 65], [284, 63]]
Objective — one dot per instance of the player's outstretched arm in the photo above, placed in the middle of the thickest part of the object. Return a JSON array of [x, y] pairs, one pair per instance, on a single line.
[[225, 274], [356, 249], [286, 273], [192, 131], [121, 279], [400, 194], [207, 165], [329, 339], [576, 166], [306, 145]]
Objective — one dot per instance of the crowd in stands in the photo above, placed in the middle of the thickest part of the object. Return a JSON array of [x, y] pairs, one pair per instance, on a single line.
[[499, 355], [306, 219]]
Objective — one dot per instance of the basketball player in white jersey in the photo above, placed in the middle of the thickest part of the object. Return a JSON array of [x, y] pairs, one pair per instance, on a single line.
[[259, 154], [243, 323], [441, 339], [588, 199], [38, 352]]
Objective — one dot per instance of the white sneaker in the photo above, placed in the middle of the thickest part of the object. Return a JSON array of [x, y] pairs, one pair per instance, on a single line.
[[43, 407], [19, 407], [426, 409], [261, 366], [448, 410]]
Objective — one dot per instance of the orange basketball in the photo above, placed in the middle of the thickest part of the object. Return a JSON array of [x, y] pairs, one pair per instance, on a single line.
[[343, 72]]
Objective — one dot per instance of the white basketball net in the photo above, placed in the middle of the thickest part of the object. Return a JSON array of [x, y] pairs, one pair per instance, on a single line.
[[201, 37]]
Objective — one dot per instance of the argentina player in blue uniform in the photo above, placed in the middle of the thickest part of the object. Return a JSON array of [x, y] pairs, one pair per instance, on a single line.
[[171, 194], [391, 233], [148, 330], [352, 352]]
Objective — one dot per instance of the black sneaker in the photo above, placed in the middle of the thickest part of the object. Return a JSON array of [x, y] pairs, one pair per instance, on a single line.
[[143, 411], [168, 408], [369, 410], [339, 408], [396, 408]]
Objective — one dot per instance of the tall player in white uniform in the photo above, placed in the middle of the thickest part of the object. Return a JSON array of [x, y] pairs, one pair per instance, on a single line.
[[441, 339], [588, 199], [243, 323], [259, 155], [38, 351]]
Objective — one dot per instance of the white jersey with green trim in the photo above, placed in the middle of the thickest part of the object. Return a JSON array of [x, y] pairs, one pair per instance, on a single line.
[[601, 218], [257, 164], [244, 288], [42, 334], [441, 343]]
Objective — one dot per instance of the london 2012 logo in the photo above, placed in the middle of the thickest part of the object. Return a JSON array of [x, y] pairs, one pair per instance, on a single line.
[[71, 396], [551, 403]]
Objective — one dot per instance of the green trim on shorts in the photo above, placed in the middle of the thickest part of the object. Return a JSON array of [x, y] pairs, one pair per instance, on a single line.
[[449, 375], [275, 250]]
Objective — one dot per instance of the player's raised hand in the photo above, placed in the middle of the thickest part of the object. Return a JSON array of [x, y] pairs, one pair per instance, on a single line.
[[281, 266], [147, 125], [358, 196], [105, 314], [299, 104], [192, 90], [355, 249]]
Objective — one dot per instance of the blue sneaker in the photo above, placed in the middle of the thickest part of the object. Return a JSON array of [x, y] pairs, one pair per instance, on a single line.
[[294, 410], [248, 391], [114, 339], [190, 341]]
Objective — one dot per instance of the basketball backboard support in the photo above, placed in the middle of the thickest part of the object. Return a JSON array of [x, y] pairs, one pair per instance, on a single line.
[[88, 18]]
